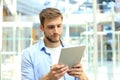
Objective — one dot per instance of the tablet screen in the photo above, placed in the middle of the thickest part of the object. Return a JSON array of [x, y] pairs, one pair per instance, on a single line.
[[71, 55]]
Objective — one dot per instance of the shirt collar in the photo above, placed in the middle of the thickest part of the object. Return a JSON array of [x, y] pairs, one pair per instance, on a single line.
[[42, 46]]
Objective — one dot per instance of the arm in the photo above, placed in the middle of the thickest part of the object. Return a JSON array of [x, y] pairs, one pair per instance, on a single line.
[[27, 67]]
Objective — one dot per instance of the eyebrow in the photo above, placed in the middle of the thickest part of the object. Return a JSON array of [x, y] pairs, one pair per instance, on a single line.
[[53, 24]]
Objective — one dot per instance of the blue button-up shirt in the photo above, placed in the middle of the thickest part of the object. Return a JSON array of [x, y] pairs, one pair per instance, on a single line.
[[36, 62]]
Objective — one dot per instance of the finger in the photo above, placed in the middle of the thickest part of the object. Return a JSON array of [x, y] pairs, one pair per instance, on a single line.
[[75, 74], [77, 66], [75, 70], [58, 70], [61, 72], [58, 75], [57, 67], [65, 68]]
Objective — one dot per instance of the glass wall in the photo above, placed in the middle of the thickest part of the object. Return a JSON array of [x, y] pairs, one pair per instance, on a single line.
[[93, 23], [14, 39]]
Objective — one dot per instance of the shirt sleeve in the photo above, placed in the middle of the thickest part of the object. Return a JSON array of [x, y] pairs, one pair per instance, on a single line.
[[27, 72]]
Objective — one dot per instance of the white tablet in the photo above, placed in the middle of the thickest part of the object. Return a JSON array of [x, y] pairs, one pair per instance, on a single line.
[[71, 55]]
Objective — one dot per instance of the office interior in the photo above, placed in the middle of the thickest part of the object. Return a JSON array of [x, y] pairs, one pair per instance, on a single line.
[[94, 23]]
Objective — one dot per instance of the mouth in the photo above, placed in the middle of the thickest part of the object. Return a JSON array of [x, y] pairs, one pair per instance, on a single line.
[[55, 35]]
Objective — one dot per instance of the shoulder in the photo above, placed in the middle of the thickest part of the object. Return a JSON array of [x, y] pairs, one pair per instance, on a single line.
[[32, 49]]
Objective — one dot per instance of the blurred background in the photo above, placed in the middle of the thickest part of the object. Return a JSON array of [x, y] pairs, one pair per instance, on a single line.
[[95, 23]]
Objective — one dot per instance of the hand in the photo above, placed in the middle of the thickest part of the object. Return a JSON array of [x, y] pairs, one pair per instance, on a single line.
[[56, 72], [77, 71]]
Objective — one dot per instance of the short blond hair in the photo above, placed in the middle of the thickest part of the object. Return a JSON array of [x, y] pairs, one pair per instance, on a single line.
[[49, 13]]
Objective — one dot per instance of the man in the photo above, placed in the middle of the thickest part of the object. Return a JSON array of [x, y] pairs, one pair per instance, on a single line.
[[40, 61]]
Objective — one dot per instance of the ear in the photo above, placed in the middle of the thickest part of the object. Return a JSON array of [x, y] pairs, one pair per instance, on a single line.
[[41, 27]]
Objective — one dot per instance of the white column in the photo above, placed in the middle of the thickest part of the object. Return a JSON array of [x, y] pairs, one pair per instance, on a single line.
[[95, 53], [67, 13], [101, 45], [113, 40], [1, 20], [118, 46]]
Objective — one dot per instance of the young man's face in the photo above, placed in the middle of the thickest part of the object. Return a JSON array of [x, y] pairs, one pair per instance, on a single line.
[[52, 29]]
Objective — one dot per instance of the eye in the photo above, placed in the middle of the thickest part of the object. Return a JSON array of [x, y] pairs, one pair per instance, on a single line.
[[50, 26], [59, 26]]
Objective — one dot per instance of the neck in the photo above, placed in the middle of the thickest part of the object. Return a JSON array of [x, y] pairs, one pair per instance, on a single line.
[[52, 45]]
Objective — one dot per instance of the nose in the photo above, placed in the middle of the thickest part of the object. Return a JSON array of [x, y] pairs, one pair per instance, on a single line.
[[55, 29]]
